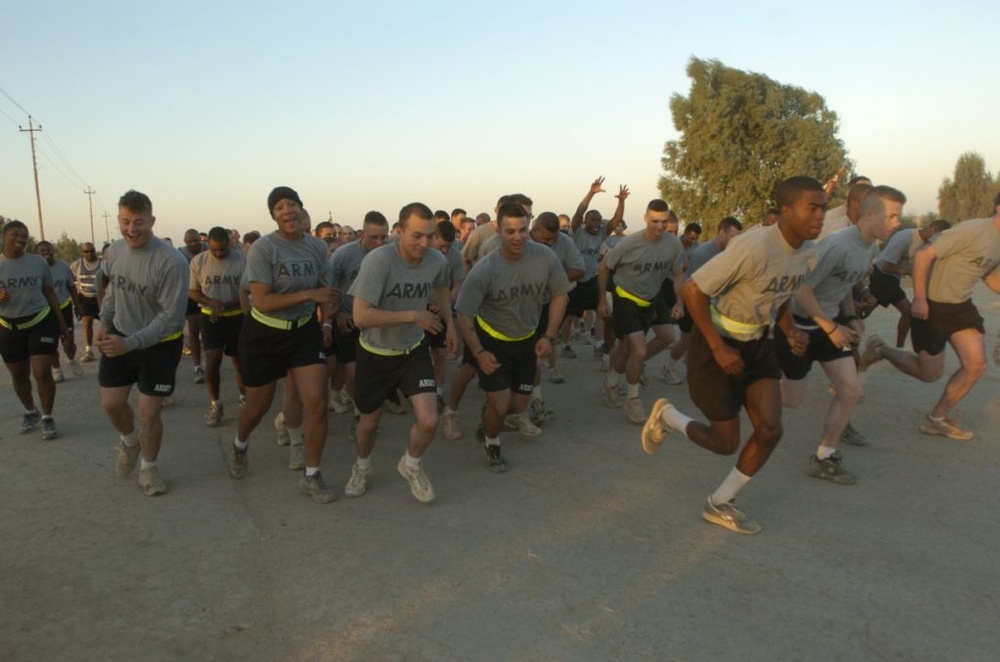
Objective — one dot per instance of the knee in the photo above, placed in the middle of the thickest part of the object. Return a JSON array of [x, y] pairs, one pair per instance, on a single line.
[[850, 393], [427, 423], [769, 433], [638, 353], [976, 369]]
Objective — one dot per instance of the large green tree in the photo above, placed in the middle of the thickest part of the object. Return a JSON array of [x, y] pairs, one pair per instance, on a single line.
[[970, 193], [741, 134]]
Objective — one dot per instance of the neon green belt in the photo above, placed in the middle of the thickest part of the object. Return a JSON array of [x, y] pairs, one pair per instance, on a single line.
[[496, 334], [390, 352], [39, 316], [277, 323]]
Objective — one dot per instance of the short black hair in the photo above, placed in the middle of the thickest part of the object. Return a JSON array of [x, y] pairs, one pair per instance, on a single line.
[[445, 230], [251, 237], [441, 215], [547, 221], [693, 227], [319, 227], [730, 222], [219, 234], [657, 205], [789, 191], [939, 225], [376, 218], [510, 210], [136, 202], [10, 225], [458, 210], [418, 209]]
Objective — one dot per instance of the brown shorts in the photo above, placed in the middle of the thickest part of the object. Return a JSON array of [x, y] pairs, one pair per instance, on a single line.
[[720, 396]]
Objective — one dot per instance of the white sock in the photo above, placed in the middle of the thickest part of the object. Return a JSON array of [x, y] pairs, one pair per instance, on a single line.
[[599, 344], [727, 491], [88, 348], [448, 411], [824, 452], [311, 471], [633, 390], [295, 434], [240, 445], [492, 441], [144, 464], [130, 439], [440, 391], [536, 393], [364, 462], [675, 420], [31, 411], [612, 378], [410, 461]]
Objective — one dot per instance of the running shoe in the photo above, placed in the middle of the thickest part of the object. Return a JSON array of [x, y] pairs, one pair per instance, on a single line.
[[237, 463], [283, 438], [853, 437], [555, 376], [57, 375], [199, 375], [567, 352], [670, 376], [945, 427], [522, 424], [495, 461], [831, 469], [30, 422], [636, 412], [611, 397], [655, 429], [316, 488], [729, 516], [420, 486], [357, 484], [296, 457], [452, 430], [128, 456], [88, 357], [872, 353], [214, 415], [151, 482], [75, 366], [49, 428]]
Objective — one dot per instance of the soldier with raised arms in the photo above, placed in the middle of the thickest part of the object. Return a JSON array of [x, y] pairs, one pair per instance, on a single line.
[[733, 300], [141, 335], [391, 296], [30, 327], [499, 309], [216, 275], [288, 275]]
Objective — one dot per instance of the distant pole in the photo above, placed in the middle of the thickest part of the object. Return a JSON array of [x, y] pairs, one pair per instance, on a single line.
[[107, 233], [90, 201], [34, 161], [330, 217]]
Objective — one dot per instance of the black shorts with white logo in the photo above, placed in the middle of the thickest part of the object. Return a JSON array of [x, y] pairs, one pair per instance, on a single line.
[[153, 369], [16, 345], [720, 396], [885, 288], [88, 307], [931, 335], [266, 353], [517, 364], [820, 349], [223, 333], [582, 297], [379, 376]]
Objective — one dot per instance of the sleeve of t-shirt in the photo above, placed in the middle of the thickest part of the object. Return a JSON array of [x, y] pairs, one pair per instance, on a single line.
[[724, 270], [897, 247], [558, 281], [954, 240], [195, 275], [259, 264], [614, 256], [171, 295], [831, 256], [370, 283], [470, 298], [107, 316], [47, 278], [680, 259]]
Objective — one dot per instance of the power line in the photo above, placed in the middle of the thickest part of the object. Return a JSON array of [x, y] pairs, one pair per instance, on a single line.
[[9, 117], [55, 165], [62, 157], [13, 101]]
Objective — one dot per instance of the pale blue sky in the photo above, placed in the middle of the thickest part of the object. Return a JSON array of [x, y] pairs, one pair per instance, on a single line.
[[206, 106]]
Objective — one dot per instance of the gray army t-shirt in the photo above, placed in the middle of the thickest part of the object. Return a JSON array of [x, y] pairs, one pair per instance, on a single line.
[[754, 276], [62, 280], [23, 278], [218, 279], [966, 253], [641, 265], [388, 282], [345, 263], [700, 255], [509, 294], [843, 259], [289, 265], [899, 250], [589, 246], [147, 292]]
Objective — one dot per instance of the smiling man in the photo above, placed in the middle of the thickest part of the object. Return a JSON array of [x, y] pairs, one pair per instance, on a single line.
[[499, 309], [733, 300], [141, 335]]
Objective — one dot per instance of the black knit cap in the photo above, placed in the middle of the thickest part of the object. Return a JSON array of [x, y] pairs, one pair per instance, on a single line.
[[279, 194]]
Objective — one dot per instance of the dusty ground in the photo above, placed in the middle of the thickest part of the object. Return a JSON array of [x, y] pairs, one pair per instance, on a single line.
[[587, 549]]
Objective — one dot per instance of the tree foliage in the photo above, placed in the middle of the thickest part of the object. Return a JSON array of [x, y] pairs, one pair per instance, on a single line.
[[970, 193], [741, 134]]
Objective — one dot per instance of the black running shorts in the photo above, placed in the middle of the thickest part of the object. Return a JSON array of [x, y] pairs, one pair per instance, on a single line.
[[819, 349], [223, 333], [720, 396], [517, 364], [153, 369], [931, 335], [41, 339], [379, 376], [266, 353], [885, 288], [582, 297]]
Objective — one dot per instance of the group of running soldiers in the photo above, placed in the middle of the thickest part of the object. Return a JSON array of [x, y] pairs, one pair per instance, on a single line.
[[353, 325]]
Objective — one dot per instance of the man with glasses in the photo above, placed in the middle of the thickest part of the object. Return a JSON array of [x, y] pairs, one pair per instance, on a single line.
[[85, 278]]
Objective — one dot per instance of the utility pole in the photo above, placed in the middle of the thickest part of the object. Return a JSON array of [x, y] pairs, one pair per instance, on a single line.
[[34, 161], [90, 201], [107, 233]]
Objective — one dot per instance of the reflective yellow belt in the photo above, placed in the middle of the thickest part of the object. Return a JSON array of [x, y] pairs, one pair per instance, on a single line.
[[65, 304], [732, 326], [642, 303], [172, 336], [390, 352], [496, 334], [39, 316], [226, 313], [275, 323]]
